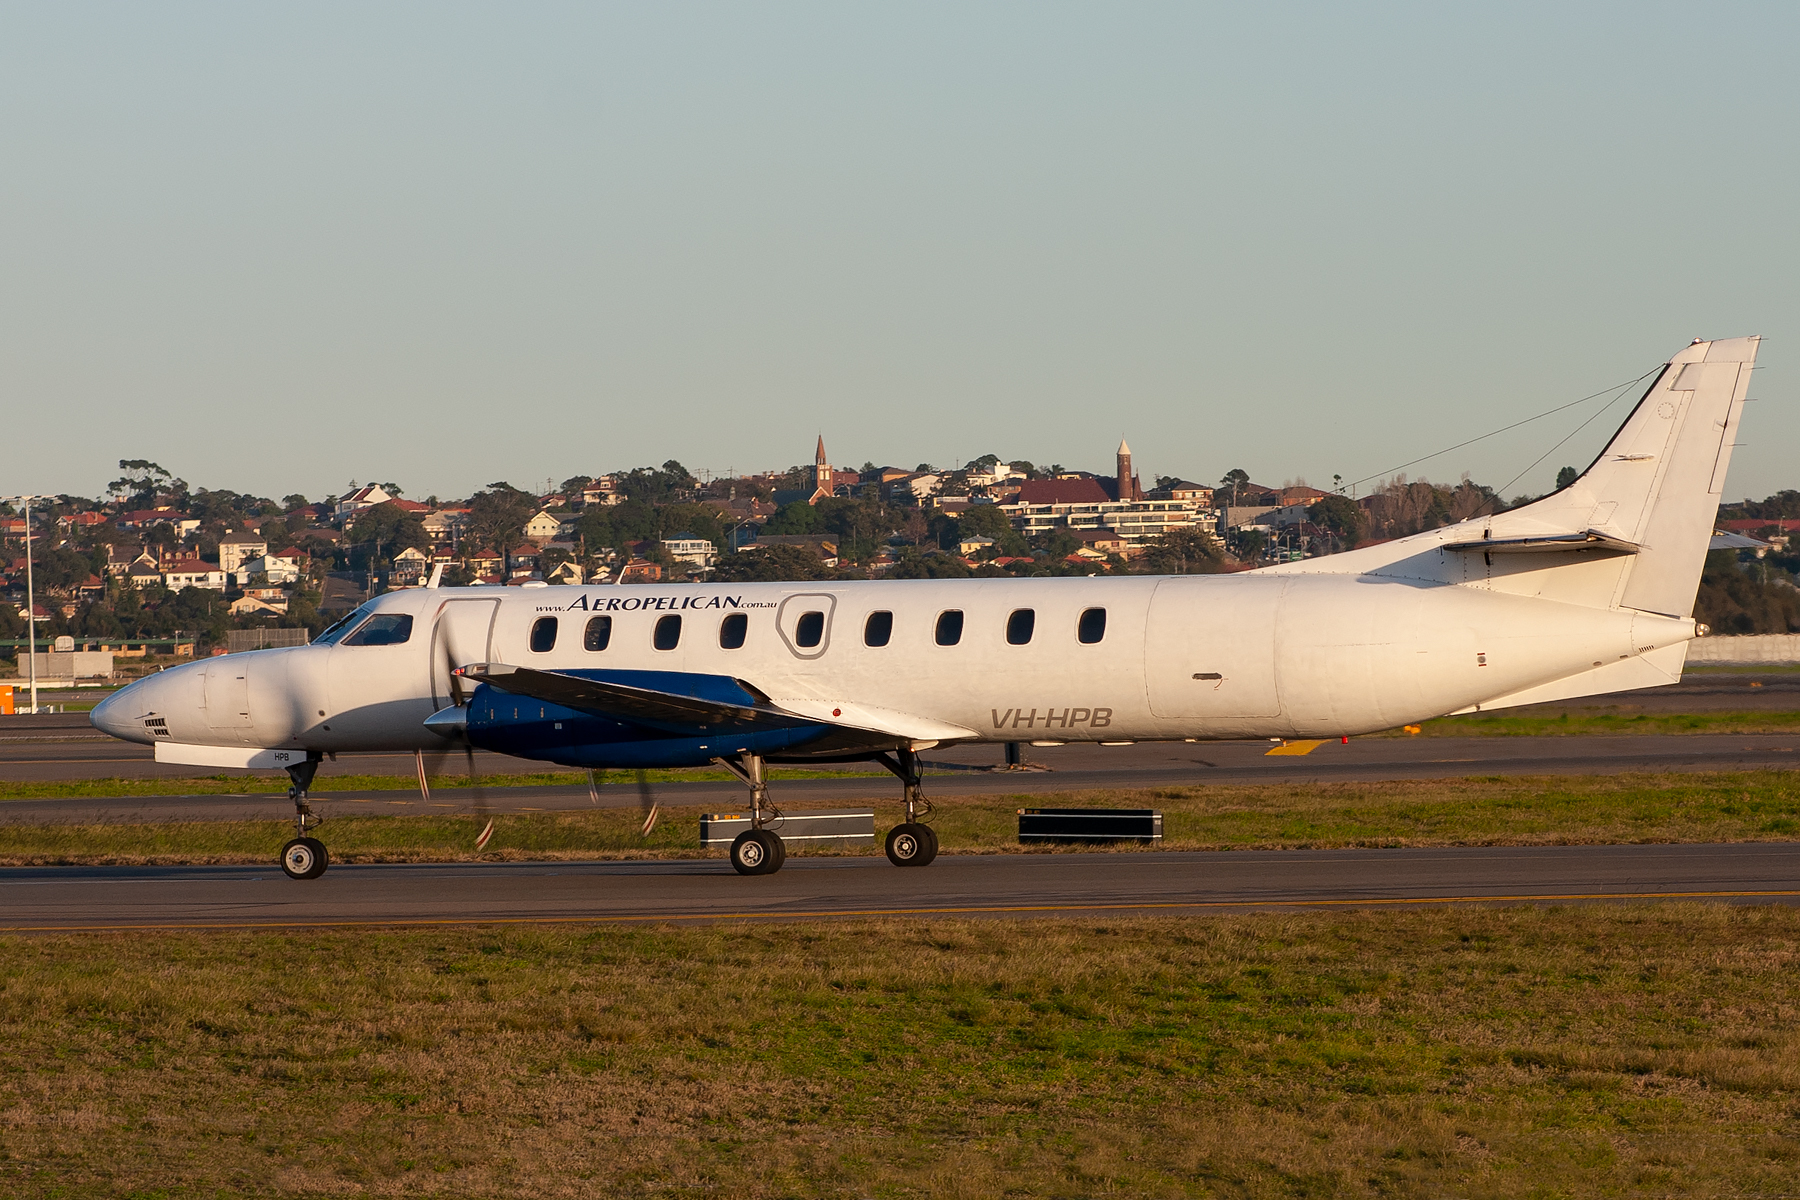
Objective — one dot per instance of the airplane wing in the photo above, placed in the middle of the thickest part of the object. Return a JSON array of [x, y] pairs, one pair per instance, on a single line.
[[687, 703], [611, 697]]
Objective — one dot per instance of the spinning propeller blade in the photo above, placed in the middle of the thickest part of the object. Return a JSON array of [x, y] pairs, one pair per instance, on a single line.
[[647, 801]]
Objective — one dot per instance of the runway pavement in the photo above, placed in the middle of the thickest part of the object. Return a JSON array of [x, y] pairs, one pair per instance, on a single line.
[[1070, 769], [1069, 884]]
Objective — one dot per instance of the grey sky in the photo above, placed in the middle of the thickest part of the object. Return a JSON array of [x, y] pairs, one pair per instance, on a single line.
[[277, 249]]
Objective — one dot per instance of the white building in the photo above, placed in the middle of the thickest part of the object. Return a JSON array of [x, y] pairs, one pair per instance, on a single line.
[[689, 549], [367, 496], [281, 567], [235, 553], [543, 527], [192, 572]]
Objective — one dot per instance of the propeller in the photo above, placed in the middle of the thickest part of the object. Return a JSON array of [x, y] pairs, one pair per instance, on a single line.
[[647, 801], [459, 699]]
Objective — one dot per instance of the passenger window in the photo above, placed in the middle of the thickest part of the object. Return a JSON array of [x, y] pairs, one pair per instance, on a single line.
[[543, 635], [598, 633], [878, 629], [668, 633], [1019, 626], [1092, 627], [809, 631], [382, 629], [732, 630], [949, 627]]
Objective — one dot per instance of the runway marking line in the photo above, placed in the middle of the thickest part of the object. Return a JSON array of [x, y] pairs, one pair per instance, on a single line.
[[897, 912]]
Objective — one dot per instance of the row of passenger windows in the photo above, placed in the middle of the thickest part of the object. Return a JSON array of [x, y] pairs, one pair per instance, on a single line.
[[809, 630]]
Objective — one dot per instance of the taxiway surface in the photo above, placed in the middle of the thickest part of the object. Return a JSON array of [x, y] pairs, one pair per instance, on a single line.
[[72, 898]]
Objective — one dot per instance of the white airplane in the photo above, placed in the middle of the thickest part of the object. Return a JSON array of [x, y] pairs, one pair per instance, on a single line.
[[1586, 591]]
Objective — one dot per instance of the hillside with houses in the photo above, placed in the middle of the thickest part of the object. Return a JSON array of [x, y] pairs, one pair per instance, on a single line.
[[158, 567]]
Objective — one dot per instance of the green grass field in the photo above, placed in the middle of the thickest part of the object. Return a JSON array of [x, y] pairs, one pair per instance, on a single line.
[[1741, 806], [1605, 1051]]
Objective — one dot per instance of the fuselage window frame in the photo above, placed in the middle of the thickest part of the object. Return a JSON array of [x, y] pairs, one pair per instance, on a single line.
[[597, 635], [1021, 623], [878, 628], [809, 630], [1090, 629], [733, 629], [382, 629], [543, 635], [949, 629], [667, 634]]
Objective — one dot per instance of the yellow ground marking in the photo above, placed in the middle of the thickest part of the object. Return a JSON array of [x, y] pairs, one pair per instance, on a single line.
[[1295, 748], [1366, 902]]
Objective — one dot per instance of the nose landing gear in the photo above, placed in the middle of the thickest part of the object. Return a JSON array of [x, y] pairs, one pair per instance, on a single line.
[[304, 856]]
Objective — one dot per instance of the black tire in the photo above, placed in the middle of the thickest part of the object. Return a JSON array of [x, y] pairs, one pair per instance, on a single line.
[[911, 845], [304, 858], [757, 852]]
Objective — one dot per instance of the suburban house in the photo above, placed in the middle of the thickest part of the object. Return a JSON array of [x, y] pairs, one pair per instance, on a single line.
[[409, 567], [181, 573], [235, 552], [446, 524], [543, 527], [685, 547], [367, 496], [280, 567]]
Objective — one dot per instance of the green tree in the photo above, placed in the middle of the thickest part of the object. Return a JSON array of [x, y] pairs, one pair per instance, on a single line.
[[497, 515], [1566, 476], [769, 565], [796, 518], [1339, 516], [1182, 552]]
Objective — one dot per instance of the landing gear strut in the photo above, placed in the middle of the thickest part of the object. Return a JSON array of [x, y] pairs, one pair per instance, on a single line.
[[756, 851], [303, 857], [912, 843]]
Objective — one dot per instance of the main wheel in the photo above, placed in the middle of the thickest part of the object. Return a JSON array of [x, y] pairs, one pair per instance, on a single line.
[[757, 852], [304, 858], [911, 845]]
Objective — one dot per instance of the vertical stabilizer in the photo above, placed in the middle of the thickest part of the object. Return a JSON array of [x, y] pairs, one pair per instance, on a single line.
[[1657, 483]]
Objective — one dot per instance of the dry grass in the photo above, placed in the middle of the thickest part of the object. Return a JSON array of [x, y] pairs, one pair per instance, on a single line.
[[1567, 810], [1478, 1053]]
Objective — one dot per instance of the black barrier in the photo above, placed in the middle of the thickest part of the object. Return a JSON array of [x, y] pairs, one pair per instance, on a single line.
[[1090, 825]]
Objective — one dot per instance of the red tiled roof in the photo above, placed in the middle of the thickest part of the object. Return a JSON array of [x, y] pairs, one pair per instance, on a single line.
[[1061, 491], [1746, 525]]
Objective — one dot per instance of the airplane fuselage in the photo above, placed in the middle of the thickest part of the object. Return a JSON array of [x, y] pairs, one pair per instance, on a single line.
[[1091, 659]]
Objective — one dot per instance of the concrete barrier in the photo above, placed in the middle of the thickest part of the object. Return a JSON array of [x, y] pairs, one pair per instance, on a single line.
[[1747, 650]]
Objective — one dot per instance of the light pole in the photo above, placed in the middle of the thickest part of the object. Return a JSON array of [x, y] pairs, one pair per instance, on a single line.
[[30, 602]]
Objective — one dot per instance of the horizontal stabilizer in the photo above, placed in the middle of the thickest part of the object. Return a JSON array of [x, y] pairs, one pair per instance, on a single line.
[[1549, 544]]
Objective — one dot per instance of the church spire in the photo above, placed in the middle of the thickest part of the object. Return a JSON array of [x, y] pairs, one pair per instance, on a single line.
[[819, 458]]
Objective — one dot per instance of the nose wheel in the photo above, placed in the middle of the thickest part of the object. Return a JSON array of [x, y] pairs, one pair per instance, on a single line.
[[304, 856]]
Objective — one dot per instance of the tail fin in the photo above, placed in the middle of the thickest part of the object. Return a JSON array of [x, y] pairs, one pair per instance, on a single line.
[[1657, 483], [1631, 532]]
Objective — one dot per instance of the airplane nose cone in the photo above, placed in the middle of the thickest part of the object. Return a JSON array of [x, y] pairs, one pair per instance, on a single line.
[[120, 713]]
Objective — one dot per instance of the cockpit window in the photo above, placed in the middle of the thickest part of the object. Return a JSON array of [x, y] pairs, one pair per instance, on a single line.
[[382, 629], [335, 633]]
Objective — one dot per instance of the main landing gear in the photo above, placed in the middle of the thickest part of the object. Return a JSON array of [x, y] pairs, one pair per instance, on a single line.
[[304, 857], [912, 843], [760, 851], [756, 851]]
